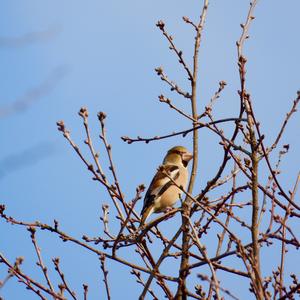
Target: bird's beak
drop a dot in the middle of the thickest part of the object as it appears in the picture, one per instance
(187, 156)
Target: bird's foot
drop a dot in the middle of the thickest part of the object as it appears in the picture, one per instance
(167, 210)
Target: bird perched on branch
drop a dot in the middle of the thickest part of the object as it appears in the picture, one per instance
(162, 192)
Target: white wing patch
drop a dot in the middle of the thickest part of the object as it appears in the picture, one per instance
(173, 174)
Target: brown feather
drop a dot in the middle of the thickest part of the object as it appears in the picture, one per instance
(162, 192)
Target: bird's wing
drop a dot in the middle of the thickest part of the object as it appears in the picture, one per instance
(160, 184)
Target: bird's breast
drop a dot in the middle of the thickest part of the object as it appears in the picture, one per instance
(172, 194)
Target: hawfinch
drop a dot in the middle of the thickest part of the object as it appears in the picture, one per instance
(162, 192)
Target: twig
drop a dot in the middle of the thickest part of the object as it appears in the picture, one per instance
(29, 282)
(105, 273)
(140, 280)
(215, 97)
(174, 87)
(285, 122)
(85, 291)
(186, 206)
(283, 249)
(66, 237)
(163, 99)
(32, 231)
(66, 133)
(129, 140)
(221, 237)
(62, 276)
(160, 260)
(139, 190)
(206, 258)
(161, 25)
(101, 117)
(203, 277)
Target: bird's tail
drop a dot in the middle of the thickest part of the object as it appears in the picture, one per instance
(145, 214)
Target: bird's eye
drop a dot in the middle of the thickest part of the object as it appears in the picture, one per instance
(178, 152)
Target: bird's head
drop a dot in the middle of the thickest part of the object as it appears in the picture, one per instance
(178, 155)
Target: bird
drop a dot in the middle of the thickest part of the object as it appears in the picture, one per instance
(162, 192)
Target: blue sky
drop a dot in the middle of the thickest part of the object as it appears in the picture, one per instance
(102, 55)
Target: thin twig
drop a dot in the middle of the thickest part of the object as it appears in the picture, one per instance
(41, 264)
(62, 276)
(129, 140)
(105, 273)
